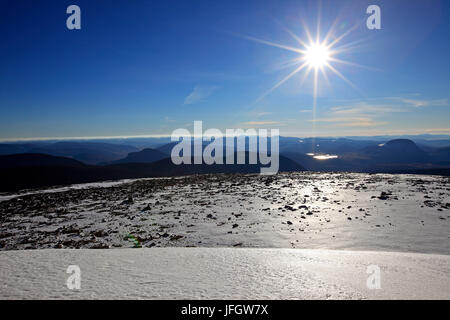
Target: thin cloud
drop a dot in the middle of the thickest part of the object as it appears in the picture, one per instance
(168, 119)
(356, 115)
(350, 121)
(420, 103)
(262, 114)
(200, 93)
(362, 123)
(410, 100)
(261, 123)
(364, 108)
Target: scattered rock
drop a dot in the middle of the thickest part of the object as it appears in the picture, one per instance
(384, 195)
(129, 201)
(99, 233)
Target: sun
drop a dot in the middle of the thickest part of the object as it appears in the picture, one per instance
(317, 55)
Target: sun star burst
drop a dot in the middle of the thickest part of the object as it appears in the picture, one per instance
(316, 56)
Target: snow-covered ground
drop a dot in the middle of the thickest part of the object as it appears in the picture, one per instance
(289, 236)
(8, 196)
(222, 273)
(403, 213)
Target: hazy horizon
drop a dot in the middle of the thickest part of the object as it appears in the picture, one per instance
(87, 139)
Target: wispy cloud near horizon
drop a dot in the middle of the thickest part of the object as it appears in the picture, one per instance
(261, 123)
(420, 103)
(350, 122)
(360, 114)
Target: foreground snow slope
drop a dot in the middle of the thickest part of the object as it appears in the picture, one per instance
(351, 211)
(222, 273)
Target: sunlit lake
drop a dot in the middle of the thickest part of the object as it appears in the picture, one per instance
(323, 156)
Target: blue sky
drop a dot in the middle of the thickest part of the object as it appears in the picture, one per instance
(149, 67)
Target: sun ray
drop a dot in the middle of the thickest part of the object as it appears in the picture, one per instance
(308, 34)
(325, 76)
(273, 44)
(343, 78)
(353, 64)
(330, 31)
(342, 36)
(318, 24)
(351, 46)
(279, 83)
(293, 35)
(288, 64)
(314, 109)
(305, 75)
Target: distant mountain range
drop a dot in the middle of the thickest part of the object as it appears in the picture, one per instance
(87, 152)
(395, 155)
(396, 151)
(39, 164)
(37, 170)
(144, 156)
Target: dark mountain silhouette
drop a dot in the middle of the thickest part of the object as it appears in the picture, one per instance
(145, 156)
(396, 151)
(26, 170)
(106, 152)
(36, 160)
(168, 168)
(301, 145)
(167, 148)
(323, 145)
(313, 164)
(441, 156)
(33, 172)
(393, 156)
(10, 148)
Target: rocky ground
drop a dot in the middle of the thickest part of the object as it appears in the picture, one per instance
(289, 210)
